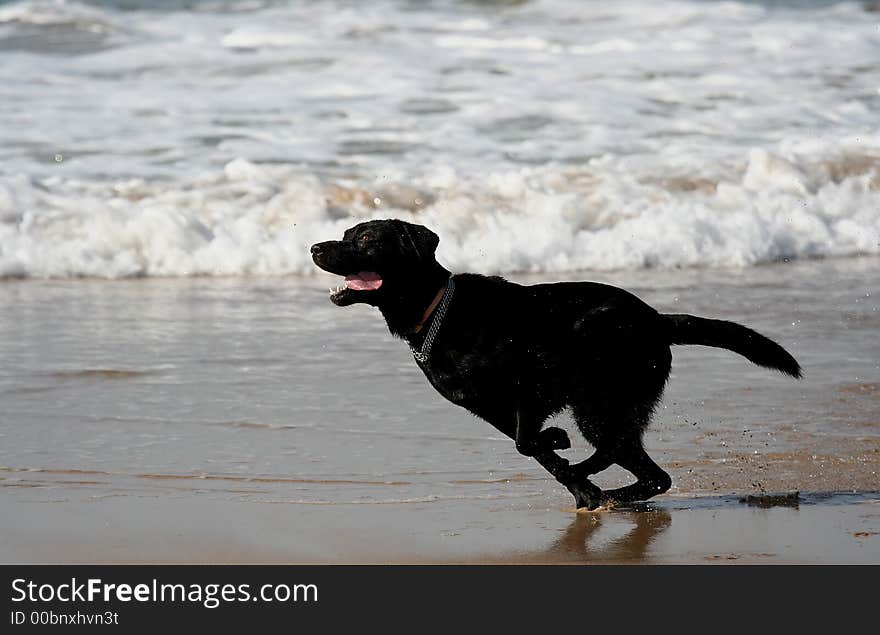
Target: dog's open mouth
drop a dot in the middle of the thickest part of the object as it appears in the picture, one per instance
(363, 281)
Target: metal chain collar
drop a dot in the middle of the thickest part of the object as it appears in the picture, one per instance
(424, 351)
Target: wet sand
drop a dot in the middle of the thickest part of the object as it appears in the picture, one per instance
(248, 420)
(155, 522)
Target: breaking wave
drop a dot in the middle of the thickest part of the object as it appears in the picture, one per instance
(261, 219)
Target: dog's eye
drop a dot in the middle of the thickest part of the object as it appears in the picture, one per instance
(366, 238)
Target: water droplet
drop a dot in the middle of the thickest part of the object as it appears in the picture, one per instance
(59, 158)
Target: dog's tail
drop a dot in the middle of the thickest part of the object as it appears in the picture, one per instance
(689, 329)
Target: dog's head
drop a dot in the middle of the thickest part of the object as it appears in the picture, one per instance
(379, 259)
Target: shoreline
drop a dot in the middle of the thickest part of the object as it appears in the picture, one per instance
(815, 528)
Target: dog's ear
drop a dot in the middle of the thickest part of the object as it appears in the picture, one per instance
(419, 238)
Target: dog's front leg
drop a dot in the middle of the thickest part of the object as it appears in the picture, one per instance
(531, 440)
(528, 443)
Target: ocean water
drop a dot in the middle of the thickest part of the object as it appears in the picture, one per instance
(183, 138)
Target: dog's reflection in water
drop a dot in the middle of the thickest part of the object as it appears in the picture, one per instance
(581, 541)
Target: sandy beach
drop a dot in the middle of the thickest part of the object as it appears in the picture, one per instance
(172, 526)
(222, 420)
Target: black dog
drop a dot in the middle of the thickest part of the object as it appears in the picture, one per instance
(515, 355)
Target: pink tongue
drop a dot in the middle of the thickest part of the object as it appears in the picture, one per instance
(363, 281)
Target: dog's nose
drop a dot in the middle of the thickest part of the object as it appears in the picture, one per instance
(316, 250)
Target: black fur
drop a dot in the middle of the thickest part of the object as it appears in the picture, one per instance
(514, 355)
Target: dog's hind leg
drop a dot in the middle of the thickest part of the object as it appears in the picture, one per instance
(614, 415)
(599, 461)
(651, 478)
(586, 493)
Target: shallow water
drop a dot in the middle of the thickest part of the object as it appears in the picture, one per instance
(259, 392)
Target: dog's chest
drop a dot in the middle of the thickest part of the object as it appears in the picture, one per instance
(464, 375)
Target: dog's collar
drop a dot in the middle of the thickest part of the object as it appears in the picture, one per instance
(441, 302)
(430, 310)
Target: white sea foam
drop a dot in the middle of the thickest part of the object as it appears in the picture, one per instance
(255, 219)
(547, 136)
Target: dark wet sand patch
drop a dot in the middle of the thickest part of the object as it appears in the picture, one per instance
(783, 499)
(868, 389)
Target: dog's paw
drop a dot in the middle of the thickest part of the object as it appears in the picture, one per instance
(554, 438)
(587, 495)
